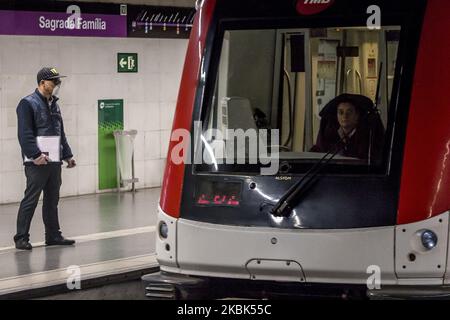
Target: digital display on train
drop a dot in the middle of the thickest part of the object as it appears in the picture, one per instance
(215, 193)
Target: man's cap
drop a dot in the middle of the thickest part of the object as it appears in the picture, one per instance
(48, 74)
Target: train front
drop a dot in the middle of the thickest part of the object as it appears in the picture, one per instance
(286, 167)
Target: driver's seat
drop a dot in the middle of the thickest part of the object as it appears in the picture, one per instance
(370, 132)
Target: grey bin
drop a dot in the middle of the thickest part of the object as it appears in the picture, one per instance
(125, 159)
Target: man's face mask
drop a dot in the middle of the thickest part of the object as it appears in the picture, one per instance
(57, 88)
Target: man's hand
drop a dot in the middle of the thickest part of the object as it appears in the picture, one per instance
(42, 160)
(71, 163)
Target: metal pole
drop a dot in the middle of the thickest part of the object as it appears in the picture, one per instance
(118, 178)
(132, 173)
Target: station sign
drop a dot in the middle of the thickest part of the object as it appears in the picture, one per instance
(78, 24)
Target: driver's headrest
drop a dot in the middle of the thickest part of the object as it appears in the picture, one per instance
(363, 104)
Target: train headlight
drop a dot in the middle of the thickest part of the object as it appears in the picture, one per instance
(429, 239)
(163, 230)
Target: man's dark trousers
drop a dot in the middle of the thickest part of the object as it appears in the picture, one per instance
(46, 178)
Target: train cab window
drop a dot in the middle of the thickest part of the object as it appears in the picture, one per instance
(324, 90)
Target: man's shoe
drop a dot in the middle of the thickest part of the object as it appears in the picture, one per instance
(60, 241)
(23, 245)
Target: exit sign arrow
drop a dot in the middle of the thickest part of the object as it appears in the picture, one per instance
(123, 63)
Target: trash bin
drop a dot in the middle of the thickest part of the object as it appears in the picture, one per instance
(125, 159)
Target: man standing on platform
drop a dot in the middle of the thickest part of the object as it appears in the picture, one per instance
(44, 147)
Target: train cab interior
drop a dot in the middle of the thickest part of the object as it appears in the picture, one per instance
(294, 80)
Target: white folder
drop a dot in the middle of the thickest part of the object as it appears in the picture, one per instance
(50, 146)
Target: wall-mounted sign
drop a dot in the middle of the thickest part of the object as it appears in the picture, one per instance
(123, 10)
(127, 62)
(62, 24)
(160, 22)
(110, 119)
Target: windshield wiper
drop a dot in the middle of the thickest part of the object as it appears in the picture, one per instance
(291, 198)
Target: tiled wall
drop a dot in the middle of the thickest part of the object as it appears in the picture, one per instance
(91, 66)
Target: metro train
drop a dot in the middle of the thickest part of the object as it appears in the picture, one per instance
(368, 224)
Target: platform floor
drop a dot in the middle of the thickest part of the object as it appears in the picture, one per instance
(113, 232)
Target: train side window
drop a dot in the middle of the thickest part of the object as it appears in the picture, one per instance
(316, 86)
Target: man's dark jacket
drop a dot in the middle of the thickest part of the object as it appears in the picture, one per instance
(37, 118)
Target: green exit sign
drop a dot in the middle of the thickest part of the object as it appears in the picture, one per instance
(127, 62)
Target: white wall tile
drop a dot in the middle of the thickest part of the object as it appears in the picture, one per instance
(66, 55)
(88, 120)
(167, 60)
(2, 91)
(165, 140)
(12, 186)
(96, 179)
(8, 123)
(167, 111)
(92, 56)
(1, 60)
(151, 60)
(172, 60)
(92, 88)
(152, 117)
(153, 173)
(12, 156)
(136, 88)
(119, 86)
(87, 153)
(170, 85)
(139, 167)
(135, 116)
(152, 86)
(139, 146)
(19, 50)
(152, 145)
(3, 158)
(181, 49)
(87, 179)
(69, 182)
(70, 118)
(16, 87)
(69, 93)
(49, 48)
(11, 118)
(163, 163)
(132, 45)
(73, 143)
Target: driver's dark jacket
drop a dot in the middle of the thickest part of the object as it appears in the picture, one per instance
(36, 117)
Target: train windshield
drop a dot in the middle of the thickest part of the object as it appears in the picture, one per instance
(304, 92)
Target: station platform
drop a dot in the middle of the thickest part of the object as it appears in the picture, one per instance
(115, 234)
